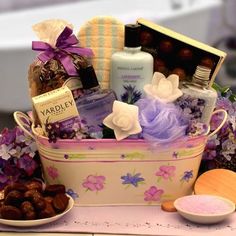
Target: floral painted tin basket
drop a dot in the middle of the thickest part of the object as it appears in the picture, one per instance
(127, 172)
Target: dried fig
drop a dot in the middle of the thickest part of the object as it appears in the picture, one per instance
(11, 213)
(47, 212)
(14, 198)
(15, 186)
(30, 194)
(39, 203)
(26, 206)
(60, 202)
(30, 215)
(53, 189)
(35, 185)
(48, 199)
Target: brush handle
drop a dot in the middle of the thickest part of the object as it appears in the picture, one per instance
(25, 122)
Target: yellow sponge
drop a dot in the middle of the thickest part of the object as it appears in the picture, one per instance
(104, 35)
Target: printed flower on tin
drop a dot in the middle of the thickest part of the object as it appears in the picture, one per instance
(52, 172)
(153, 194)
(130, 179)
(166, 172)
(73, 194)
(188, 174)
(175, 155)
(94, 182)
(122, 156)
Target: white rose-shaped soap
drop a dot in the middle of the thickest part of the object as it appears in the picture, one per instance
(123, 120)
(163, 89)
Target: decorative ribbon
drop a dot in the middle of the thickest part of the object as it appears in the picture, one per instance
(66, 43)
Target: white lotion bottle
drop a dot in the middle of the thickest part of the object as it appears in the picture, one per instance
(131, 68)
(199, 88)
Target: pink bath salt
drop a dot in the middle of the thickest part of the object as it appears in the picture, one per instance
(202, 204)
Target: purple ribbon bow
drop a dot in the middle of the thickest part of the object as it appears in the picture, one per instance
(66, 43)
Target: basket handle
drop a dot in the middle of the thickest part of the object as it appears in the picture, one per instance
(25, 122)
(222, 122)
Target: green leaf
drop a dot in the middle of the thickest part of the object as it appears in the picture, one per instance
(225, 91)
(217, 87)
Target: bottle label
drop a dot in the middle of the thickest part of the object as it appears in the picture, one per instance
(192, 106)
(130, 71)
(198, 104)
(129, 74)
(129, 83)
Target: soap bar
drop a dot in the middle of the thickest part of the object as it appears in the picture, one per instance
(56, 106)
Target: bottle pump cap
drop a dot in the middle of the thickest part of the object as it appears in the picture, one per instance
(88, 77)
(202, 75)
(132, 35)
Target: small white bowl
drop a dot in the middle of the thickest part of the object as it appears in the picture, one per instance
(32, 223)
(204, 209)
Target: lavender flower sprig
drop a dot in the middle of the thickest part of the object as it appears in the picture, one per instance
(131, 95)
(55, 131)
(191, 107)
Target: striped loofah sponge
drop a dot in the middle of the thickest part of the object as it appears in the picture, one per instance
(104, 35)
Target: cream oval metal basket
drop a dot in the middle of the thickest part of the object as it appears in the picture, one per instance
(127, 172)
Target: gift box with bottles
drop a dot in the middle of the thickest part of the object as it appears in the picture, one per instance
(175, 53)
(132, 144)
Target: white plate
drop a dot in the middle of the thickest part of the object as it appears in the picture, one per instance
(204, 209)
(31, 223)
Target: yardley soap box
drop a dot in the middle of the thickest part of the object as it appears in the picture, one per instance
(56, 106)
